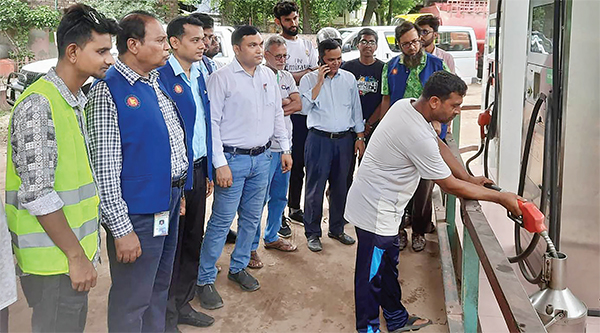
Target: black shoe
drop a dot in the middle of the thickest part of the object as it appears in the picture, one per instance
(209, 297)
(314, 244)
(285, 231)
(403, 239)
(231, 237)
(244, 280)
(343, 238)
(196, 318)
(418, 242)
(296, 216)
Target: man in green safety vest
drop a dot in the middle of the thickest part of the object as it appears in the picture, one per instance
(51, 197)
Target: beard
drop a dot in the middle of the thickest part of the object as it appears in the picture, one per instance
(426, 43)
(211, 52)
(289, 32)
(412, 61)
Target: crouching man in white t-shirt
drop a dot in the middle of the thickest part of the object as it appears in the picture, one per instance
(404, 149)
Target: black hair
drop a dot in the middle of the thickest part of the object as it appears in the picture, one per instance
(77, 24)
(176, 26)
(405, 27)
(133, 25)
(207, 21)
(328, 44)
(430, 20)
(441, 84)
(284, 8)
(368, 32)
(240, 32)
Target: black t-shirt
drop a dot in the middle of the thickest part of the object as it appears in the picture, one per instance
(369, 83)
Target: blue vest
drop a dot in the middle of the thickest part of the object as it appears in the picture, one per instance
(146, 151)
(398, 75)
(181, 93)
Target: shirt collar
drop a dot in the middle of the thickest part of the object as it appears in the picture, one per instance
(237, 67)
(131, 76)
(71, 99)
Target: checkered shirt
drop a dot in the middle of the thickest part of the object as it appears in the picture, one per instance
(105, 146)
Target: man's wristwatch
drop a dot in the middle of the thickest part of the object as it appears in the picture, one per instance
(287, 152)
(358, 138)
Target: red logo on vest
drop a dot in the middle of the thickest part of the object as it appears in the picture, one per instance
(178, 89)
(394, 71)
(132, 101)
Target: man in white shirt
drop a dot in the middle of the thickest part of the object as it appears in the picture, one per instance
(429, 25)
(302, 60)
(275, 56)
(404, 149)
(245, 106)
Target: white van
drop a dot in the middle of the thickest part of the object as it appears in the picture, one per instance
(458, 41)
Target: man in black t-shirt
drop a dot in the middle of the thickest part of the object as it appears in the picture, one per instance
(367, 71)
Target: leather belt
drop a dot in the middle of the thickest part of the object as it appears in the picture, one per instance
(198, 163)
(180, 181)
(252, 151)
(331, 135)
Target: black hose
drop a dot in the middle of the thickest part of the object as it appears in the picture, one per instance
(481, 147)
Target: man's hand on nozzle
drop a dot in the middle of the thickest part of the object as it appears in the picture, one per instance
(510, 201)
(480, 180)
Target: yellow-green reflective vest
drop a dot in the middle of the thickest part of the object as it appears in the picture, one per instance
(36, 253)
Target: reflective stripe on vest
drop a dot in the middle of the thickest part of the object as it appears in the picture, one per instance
(35, 251)
(41, 239)
(68, 197)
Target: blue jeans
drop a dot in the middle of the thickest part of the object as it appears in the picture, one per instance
(137, 301)
(246, 196)
(276, 200)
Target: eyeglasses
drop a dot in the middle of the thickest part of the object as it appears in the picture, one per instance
(280, 57)
(425, 32)
(212, 39)
(414, 42)
(367, 42)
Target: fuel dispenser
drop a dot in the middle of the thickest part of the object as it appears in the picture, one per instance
(546, 145)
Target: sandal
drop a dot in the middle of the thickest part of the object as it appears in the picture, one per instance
(410, 324)
(255, 262)
(281, 245)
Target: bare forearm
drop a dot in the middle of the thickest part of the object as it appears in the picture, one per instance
(464, 189)
(56, 226)
(294, 106)
(375, 116)
(455, 166)
(384, 106)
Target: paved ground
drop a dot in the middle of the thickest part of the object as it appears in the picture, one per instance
(301, 291)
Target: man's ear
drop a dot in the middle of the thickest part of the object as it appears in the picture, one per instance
(237, 49)
(278, 22)
(434, 102)
(133, 45)
(174, 42)
(71, 52)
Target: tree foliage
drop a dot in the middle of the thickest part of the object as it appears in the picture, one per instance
(381, 8)
(260, 12)
(116, 9)
(17, 19)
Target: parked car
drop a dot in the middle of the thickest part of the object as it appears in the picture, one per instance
(458, 41)
(18, 81)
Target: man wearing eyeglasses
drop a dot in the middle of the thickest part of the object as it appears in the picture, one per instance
(429, 25)
(404, 77)
(276, 199)
(51, 197)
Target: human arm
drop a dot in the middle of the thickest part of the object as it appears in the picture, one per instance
(280, 132)
(385, 91)
(106, 159)
(357, 117)
(217, 95)
(295, 105)
(323, 71)
(456, 167)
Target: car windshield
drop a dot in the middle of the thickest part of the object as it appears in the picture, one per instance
(455, 41)
(390, 38)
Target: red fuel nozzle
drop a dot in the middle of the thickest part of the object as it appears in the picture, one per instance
(483, 120)
(533, 219)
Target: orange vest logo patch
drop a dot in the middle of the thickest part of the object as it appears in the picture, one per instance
(177, 88)
(132, 101)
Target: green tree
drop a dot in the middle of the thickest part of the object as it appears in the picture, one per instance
(17, 19)
(116, 9)
(381, 9)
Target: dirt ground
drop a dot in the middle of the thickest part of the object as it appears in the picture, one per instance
(300, 291)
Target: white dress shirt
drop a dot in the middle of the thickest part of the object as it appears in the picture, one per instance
(337, 107)
(245, 109)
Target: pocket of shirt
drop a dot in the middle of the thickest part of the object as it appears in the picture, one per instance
(270, 95)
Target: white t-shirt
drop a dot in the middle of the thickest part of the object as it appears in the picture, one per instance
(287, 85)
(302, 55)
(403, 149)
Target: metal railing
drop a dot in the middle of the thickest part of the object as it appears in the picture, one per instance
(460, 265)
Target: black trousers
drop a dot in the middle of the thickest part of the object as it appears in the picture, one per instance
(419, 206)
(299, 133)
(57, 307)
(187, 255)
(4, 320)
